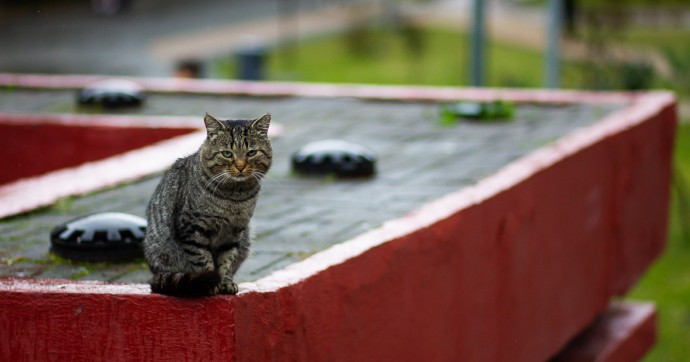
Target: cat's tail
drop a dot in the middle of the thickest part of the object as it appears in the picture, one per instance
(185, 284)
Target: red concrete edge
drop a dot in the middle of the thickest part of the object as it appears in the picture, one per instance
(623, 332)
(289, 89)
(34, 192)
(497, 271)
(447, 279)
(113, 120)
(652, 105)
(107, 120)
(38, 191)
(46, 320)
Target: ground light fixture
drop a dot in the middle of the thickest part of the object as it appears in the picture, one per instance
(494, 111)
(107, 236)
(112, 94)
(334, 157)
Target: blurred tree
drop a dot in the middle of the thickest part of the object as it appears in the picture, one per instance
(570, 14)
(603, 25)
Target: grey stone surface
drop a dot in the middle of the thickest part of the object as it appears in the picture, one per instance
(419, 161)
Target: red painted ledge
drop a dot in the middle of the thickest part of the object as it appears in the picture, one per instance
(623, 332)
(105, 150)
(497, 271)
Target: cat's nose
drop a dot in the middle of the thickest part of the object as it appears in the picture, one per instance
(240, 165)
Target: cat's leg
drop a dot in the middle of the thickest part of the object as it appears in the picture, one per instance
(242, 254)
(198, 258)
(194, 239)
(194, 235)
(228, 261)
(182, 270)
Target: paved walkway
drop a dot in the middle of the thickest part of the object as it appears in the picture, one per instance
(69, 38)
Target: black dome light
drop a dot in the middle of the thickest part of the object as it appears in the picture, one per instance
(100, 237)
(340, 158)
(111, 94)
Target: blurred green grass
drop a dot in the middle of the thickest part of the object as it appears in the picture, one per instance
(388, 59)
(674, 45)
(439, 57)
(667, 282)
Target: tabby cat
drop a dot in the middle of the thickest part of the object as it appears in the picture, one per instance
(198, 216)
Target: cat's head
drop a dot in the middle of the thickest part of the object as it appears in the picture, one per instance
(238, 148)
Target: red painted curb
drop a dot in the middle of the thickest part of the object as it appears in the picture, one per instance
(622, 333)
(107, 150)
(501, 271)
(43, 320)
(509, 269)
(32, 149)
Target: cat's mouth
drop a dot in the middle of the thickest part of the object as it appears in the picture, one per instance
(239, 176)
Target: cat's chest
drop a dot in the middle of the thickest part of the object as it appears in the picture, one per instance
(225, 230)
(213, 227)
(220, 215)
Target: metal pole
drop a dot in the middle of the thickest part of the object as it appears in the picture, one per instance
(477, 40)
(553, 46)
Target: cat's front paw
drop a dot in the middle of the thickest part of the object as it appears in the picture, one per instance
(228, 287)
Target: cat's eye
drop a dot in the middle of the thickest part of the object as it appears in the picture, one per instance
(227, 154)
(251, 153)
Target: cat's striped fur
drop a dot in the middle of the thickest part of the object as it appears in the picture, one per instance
(198, 217)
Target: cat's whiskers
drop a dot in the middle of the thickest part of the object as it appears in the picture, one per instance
(213, 179)
(224, 177)
(217, 179)
(267, 179)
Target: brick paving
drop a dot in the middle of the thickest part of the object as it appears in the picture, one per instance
(419, 160)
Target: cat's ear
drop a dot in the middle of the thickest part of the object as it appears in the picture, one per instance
(261, 124)
(213, 126)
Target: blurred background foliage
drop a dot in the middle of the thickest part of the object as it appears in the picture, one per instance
(618, 45)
